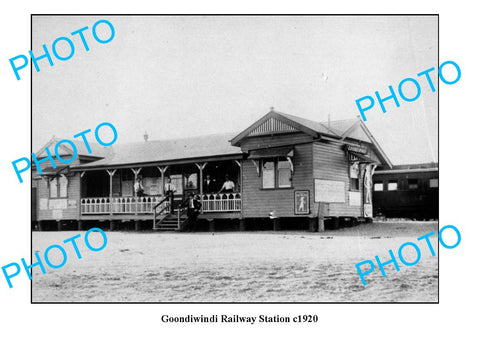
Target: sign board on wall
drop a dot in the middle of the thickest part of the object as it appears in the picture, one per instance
(152, 185)
(329, 191)
(367, 211)
(43, 204)
(72, 203)
(57, 204)
(302, 204)
(354, 198)
(356, 148)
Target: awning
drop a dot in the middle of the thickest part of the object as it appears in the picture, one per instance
(51, 172)
(353, 156)
(271, 153)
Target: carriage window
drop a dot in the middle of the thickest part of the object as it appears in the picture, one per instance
(284, 174)
(413, 184)
(268, 174)
(392, 185)
(433, 183)
(378, 186)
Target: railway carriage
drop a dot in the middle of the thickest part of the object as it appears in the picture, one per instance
(406, 191)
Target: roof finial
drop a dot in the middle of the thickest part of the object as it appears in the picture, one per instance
(271, 108)
(145, 136)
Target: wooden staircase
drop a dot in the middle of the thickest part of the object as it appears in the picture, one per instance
(166, 221)
(171, 223)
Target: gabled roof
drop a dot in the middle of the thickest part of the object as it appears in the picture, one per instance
(285, 123)
(338, 129)
(212, 146)
(167, 150)
(316, 126)
(64, 149)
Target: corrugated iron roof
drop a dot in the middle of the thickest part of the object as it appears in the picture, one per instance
(65, 149)
(332, 128)
(313, 125)
(166, 150)
(202, 146)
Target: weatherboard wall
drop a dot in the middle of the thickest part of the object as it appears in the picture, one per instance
(259, 202)
(58, 208)
(331, 163)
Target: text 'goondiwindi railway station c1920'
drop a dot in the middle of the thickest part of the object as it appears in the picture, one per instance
(284, 172)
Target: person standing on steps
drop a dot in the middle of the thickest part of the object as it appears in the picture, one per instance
(193, 206)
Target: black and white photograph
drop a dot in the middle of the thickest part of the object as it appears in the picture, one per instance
(235, 158)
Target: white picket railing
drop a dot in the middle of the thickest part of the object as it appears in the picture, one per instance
(224, 202)
(119, 205)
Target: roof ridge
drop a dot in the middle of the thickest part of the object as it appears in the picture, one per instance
(346, 119)
(179, 139)
(305, 120)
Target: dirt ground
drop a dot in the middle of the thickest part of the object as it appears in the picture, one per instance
(240, 267)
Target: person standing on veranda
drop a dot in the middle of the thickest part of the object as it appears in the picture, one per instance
(138, 187)
(228, 186)
(209, 185)
(170, 189)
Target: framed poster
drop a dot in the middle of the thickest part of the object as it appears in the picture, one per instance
(302, 202)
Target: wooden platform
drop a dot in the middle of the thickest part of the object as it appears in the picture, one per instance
(147, 217)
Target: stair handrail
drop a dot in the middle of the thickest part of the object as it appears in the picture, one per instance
(160, 202)
(156, 214)
(180, 212)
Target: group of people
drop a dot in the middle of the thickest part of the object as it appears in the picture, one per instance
(193, 202)
(209, 186)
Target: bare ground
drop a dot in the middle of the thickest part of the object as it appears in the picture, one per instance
(240, 267)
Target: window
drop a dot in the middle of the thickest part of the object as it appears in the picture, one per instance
(354, 176)
(191, 181)
(177, 182)
(413, 184)
(378, 186)
(268, 174)
(58, 187)
(276, 173)
(433, 183)
(392, 185)
(53, 188)
(284, 174)
(353, 183)
(63, 184)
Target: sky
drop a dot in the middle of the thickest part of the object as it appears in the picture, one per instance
(184, 76)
